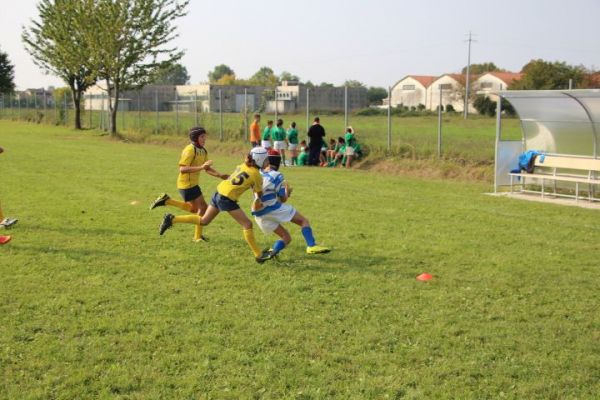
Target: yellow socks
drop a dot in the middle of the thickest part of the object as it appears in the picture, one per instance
(179, 204)
(249, 238)
(198, 233)
(187, 219)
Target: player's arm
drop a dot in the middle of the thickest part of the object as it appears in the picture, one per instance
(213, 172)
(186, 169)
(285, 191)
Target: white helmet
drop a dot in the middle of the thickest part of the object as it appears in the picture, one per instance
(259, 155)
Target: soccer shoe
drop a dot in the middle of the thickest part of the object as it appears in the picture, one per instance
(266, 255)
(4, 239)
(8, 222)
(166, 223)
(202, 239)
(316, 249)
(160, 201)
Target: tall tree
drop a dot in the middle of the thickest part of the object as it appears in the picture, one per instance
(7, 74)
(288, 76)
(352, 83)
(375, 95)
(219, 71)
(482, 68)
(540, 74)
(264, 77)
(59, 45)
(176, 74)
(131, 39)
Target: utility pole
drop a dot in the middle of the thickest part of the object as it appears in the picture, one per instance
(467, 87)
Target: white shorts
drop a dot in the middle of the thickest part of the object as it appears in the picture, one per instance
(292, 146)
(279, 145)
(266, 144)
(350, 151)
(269, 222)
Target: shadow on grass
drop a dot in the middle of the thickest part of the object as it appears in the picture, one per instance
(77, 254)
(81, 231)
(337, 262)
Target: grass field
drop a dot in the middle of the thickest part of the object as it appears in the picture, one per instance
(412, 137)
(95, 304)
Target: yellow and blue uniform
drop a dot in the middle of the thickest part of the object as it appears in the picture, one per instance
(242, 179)
(191, 156)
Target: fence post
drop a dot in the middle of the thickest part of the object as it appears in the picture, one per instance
(389, 118)
(345, 107)
(196, 108)
(139, 109)
(307, 108)
(220, 115)
(156, 109)
(276, 110)
(439, 144)
(19, 107)
(245, 114)
(65, 103)
(176, 112)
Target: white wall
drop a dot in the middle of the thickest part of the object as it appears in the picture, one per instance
(402, 93)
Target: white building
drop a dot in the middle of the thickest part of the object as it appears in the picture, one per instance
(493, 82)
(411, 91)
(452, 87)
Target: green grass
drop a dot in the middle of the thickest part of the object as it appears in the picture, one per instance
(412, 137)
(94, 304)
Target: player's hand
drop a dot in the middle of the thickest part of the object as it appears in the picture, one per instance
(207, 164)
(224, 176)
(257, 205)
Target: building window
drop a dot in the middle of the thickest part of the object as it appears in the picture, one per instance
(486, 85)
(408, 87)
(445, 86)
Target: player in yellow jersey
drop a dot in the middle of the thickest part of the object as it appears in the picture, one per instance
(194, 159)
(246, 176)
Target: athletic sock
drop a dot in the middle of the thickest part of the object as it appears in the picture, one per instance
(198, 232)
(187, 219)
(278, 246)
(1, 215)
(179, 204)
(294, 160)
(249, 238)
(308, 236)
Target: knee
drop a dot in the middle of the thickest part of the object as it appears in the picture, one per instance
(247, 225)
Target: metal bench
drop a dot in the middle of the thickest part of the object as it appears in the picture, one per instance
(556, 168)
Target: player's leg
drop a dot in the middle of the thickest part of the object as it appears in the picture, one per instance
(166, 200)
(307, 233)
(169, 219)
(202, 207)
(283, 242)
(240, 217)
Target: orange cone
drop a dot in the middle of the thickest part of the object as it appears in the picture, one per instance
(424, 277)
(4, 239)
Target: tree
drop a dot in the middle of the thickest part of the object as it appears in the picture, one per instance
(7, 74)
(287, 76)
(478, 69)
(130, 43)
(326, 85)
(219, 72)
(264, 77)
(540, 74)
(59, 45)
(226, 80)
(351, 83)
(177, 74)
(375, 95)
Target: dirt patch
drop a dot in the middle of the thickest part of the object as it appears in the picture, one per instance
(461, 170)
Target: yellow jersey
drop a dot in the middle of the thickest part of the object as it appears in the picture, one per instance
(191, 156)
(242, 179)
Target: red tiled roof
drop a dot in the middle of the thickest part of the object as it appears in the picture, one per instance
(424, 80)
(507, 77)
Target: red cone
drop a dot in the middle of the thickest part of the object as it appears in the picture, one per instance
(424, 277)
(4, 239)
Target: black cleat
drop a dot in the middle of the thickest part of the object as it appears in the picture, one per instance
(266, 255)
(160, 201)
(166, 223)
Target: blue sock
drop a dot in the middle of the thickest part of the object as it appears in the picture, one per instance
(308, 236)
(278, 246)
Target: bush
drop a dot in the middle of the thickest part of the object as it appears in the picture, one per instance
(450, 108)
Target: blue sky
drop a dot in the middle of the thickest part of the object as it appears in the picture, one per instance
(376, 42)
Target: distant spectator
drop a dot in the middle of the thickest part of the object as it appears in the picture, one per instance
(316, 133)
(351, 147)
(255, 131)
(292, 138)
(340, 149)
(266, 135)
(331, 150)
(278, 136)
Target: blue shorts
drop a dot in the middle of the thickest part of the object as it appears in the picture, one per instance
(190, 194)
(224, 203)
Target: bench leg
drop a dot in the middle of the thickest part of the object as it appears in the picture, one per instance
(576, 191)
(543, 187)
(511, 183)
